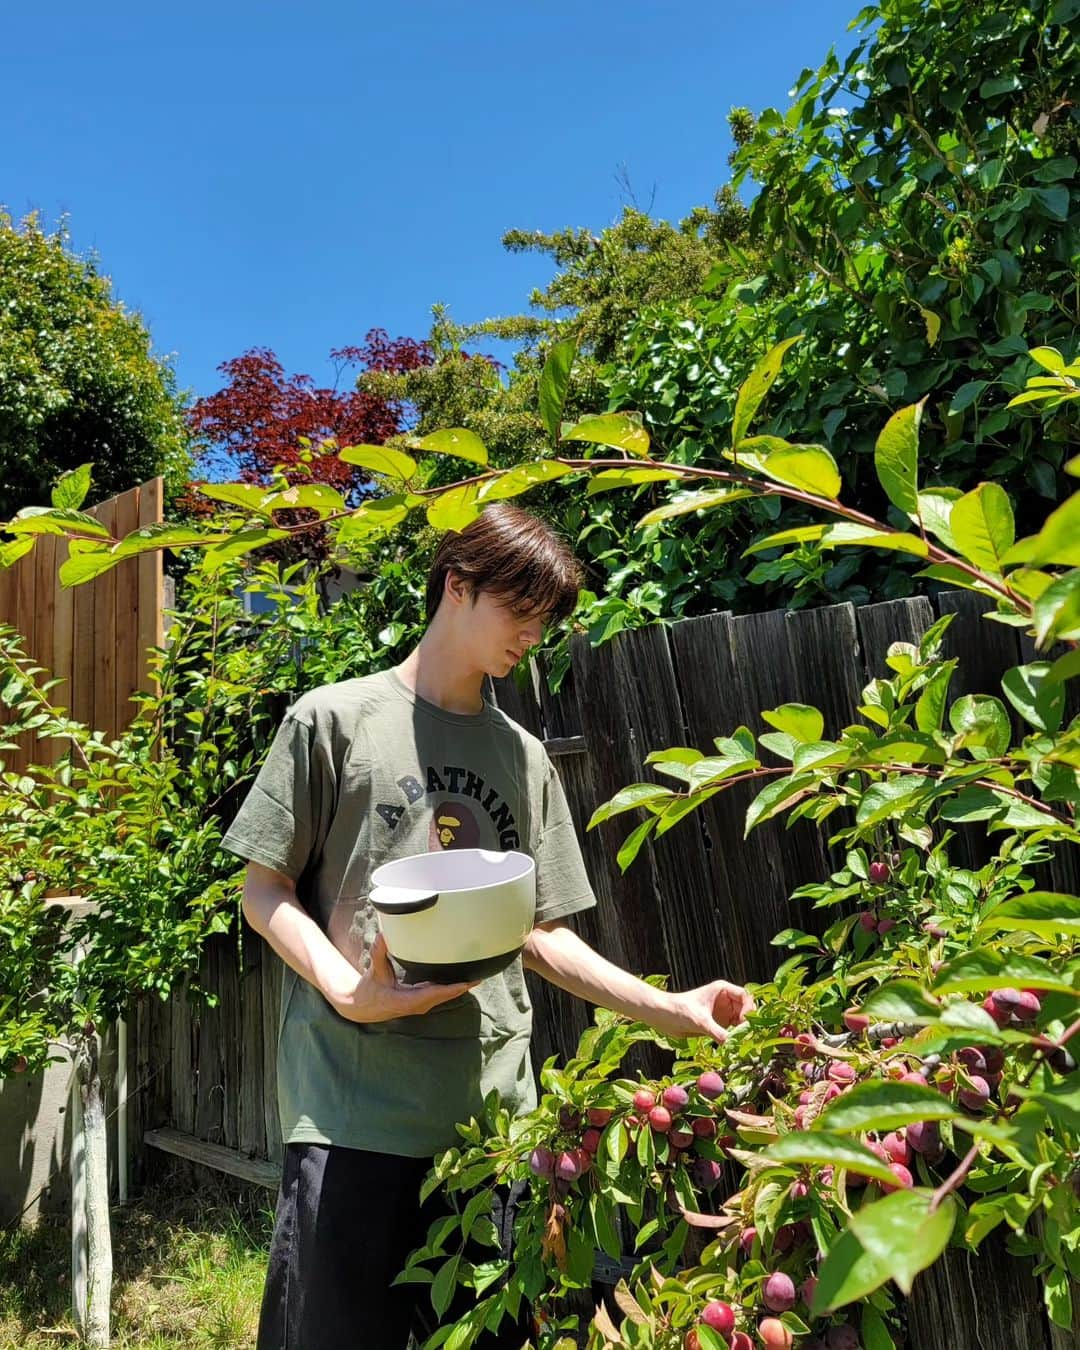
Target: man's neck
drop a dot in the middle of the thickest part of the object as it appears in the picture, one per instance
(434, 672)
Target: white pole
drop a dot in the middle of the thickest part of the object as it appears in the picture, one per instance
(121, 1113)
(78, 1206)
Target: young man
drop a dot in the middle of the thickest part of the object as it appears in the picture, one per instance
(373, 1074)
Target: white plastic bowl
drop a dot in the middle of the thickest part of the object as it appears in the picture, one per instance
(455, 914)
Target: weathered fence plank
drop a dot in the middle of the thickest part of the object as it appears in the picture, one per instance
(251, 1080)
(890, 621)
(988, 1300)
(272, 970)
(183, 1064)
(616, 761)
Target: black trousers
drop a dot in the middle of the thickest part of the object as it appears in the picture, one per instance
(346, 1221)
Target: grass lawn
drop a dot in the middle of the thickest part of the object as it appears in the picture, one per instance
(188, 1271)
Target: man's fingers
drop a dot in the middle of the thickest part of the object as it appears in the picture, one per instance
(380, 959)
(429, 995)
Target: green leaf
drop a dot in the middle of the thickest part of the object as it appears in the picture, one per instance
(882, 801)
(696, 501)
(776, 797)
(900, 1001)
(1055, 201)
(935, 509)
(554, 382)
(479, 1204)
(455, 508)
(456, 441)
(902, 1232)
(92, 560)
(933, 700)
(311, 496)
(822, 1149)
(1056, 613)
(982, 969)
(1047, 913)
(1058, 542)
(379, 459)
(14, 549)
(374, 517)
(847, 532)
(82, 567)
(608, 479)
(1039, 701)
(848, 1273)
(632, 845)
(71, 488)
(971, 804)
(810, 468)
(715, 768)
(896, 458)
(637, 794)
(801, 534)
(755, 387)
(874, 1333)
(800, 721)
(1057, 1295)
(521, 478)
(884, 1104)
(966, 395)
(1066, 667)
(1060, 1101)
(247, 496)
(621, 430)
(1049, 358)
(55, 520)
(982, 525)
(983, 723)
(604, 1223)
(215, 557)
(442, 1287)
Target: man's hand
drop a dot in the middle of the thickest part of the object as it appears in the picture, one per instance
(706, 1011)
(376, 996)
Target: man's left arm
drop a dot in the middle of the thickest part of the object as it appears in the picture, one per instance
(556, 953)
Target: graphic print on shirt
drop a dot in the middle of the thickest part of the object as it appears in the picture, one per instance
(454, 826)
(454, 820)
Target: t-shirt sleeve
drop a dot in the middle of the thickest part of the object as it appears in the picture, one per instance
(562, 885)
(283, 821)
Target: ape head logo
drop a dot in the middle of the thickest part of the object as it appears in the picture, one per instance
(453, 826)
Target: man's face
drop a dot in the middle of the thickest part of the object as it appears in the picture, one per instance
(498, 633)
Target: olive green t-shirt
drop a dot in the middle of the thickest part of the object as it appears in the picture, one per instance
(362, 772)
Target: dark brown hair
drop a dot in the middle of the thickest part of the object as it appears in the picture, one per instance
(513, 555)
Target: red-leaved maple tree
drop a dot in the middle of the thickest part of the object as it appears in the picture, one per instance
(261, 417)
(264, 420)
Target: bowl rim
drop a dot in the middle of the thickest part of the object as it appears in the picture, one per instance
(528, 871)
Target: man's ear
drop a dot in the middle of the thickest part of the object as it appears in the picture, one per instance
(456, 589)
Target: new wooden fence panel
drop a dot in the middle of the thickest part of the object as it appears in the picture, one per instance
(93, 637)
(105, 629)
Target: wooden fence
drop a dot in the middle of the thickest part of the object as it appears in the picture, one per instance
(699, 903)
(95, 636)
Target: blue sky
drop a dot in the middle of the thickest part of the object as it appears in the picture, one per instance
(269, 174)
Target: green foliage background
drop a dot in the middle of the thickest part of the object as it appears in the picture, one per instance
(913, 213)
(79, 380)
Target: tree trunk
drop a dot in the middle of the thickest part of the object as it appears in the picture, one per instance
(94, 1221)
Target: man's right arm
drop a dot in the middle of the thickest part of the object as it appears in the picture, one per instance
(374, 995)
